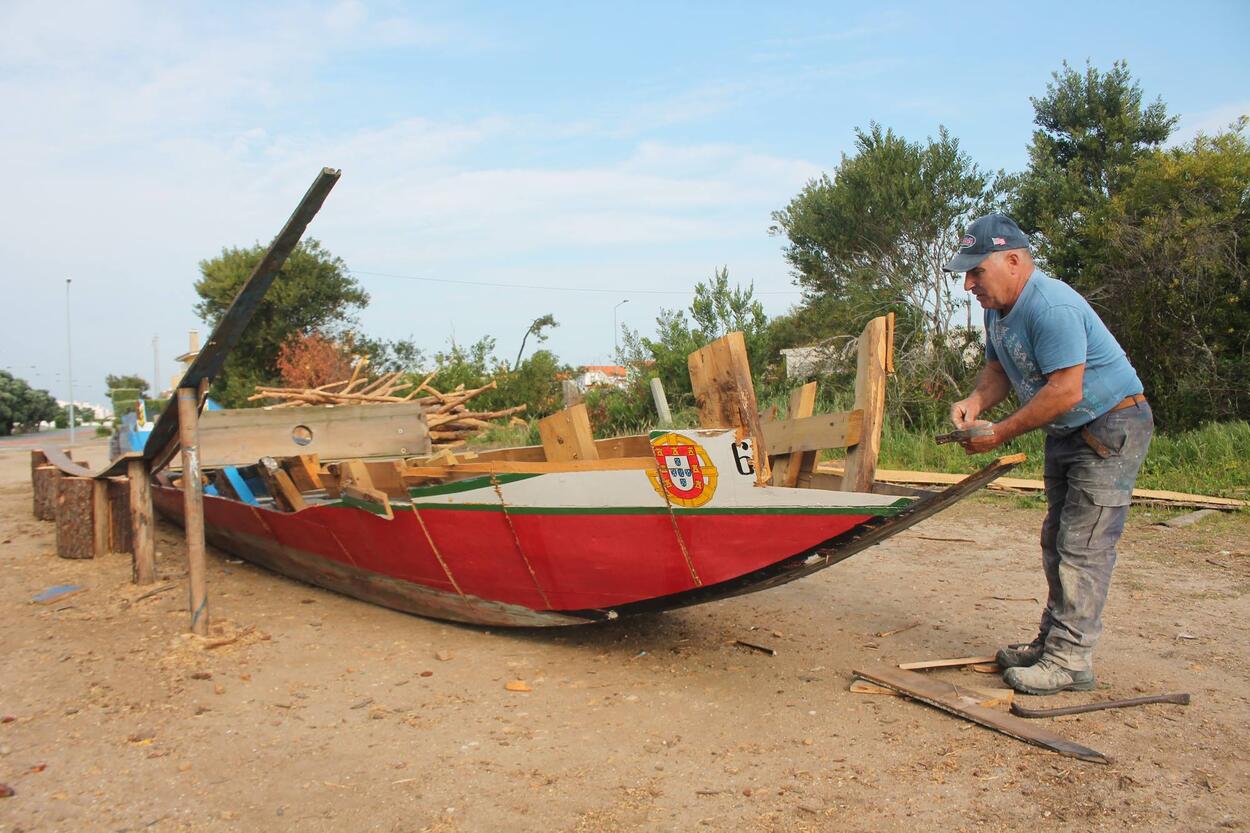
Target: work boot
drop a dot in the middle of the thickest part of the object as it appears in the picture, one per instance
(1048, 677)
(1020, 655)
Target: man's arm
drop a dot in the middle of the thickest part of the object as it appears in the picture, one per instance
(1063, 389)
(992, 388)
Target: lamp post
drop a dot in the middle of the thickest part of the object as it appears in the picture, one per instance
(69, 354)
(616, 346)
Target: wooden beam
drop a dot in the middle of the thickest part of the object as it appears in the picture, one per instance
(193, 507)
(305, 471)
(870, 376)
(375, 500)
(814, 433)
(74, 527)
(786, 468)
(566, 435)
(523, 467)
(944, 663)
(281, 489)
(100, 518)
(142, 529)
(355, 473)
(720, 376)
(948, 697)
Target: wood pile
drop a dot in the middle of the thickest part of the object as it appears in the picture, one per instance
(451, 421)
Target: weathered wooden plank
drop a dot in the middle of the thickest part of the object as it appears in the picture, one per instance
(566, 435)
(74, 525)
(870, 378)
(786, 469)
(142, 528)
(193, 507)
(121, 538)
(720, 375)
(814, 433)
(946, 696)
(512, 467)
(954, 662)
(241, 437)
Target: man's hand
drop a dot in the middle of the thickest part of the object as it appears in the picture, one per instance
(983, 443)
(964, 412)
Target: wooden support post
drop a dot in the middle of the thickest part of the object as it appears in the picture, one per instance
(142, 529)
(193, 507)
(120, 537)
(786, 470)
(44, 487)
(720, 375)
(870, 373)
(74, 526)
(661, 403)
(566, 435)
(572, 393)
(99, 517)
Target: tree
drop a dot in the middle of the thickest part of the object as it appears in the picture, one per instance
(21, 406)
(310, 360)
(1092, 130)
(126, 382)
(535, 329)
(313, 292)
(1176, 276)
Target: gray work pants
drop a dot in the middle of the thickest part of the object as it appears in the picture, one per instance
(1089, 482)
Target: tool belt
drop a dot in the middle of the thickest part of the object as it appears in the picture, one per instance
(1093, 442)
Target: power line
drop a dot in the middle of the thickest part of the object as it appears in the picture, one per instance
(595, 289)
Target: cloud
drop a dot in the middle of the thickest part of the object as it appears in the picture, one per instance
(1214, 120)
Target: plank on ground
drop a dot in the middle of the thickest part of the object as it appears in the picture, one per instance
(944, 663)
(946, 696)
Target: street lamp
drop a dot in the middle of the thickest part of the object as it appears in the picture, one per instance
(69, 354)
(616, 347)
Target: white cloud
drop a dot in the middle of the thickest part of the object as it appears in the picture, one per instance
(1214, 120)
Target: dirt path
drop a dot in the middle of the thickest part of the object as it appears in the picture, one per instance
(330, 714)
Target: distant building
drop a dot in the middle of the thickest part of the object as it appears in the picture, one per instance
(598, 375)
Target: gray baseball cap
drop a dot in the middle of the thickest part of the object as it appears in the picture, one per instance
(985, 235)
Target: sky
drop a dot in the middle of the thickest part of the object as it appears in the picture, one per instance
(500, 161)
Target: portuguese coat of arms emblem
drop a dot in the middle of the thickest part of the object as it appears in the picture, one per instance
(684, 473)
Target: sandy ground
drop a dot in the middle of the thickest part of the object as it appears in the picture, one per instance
(330, 714)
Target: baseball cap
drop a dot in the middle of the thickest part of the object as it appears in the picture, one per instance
(985, 235)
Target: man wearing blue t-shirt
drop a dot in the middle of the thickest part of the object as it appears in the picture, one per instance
(1075, 383)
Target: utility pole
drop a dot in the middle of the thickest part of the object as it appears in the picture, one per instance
(69, 353)
(616, 346)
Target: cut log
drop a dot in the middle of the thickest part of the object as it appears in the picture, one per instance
(74, 522)
(44, 487)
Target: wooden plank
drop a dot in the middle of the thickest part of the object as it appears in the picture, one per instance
(387, 477)
(74, 528)
(813, 433)
(44, 489)
(786, 469)
(121, 538)
(720, 375)
(946, 696)
(566, 435)
(374, 500)
(193, 508)
(142, 528)
(281, 489)
(305, 472)
(241, 437)
(944, 663)
(932, 478)
(100, 518)
(509, 467)
(355, 473)
(870, 377)
(983, 696)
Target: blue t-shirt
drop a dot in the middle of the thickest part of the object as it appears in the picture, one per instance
(1051, 327)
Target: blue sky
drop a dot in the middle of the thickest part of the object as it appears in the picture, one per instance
(630, 150)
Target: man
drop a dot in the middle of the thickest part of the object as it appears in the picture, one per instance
(1074, 382)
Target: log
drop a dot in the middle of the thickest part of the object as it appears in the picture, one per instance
(121, 537)
(74, 527)
(44, 488)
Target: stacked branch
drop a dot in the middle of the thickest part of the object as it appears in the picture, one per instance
(451, 421)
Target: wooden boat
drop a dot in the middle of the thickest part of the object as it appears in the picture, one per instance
(684, 525)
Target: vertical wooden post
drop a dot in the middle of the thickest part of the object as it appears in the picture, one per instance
(724, 394)
(193, 506)
(661, 403)
(870, 373)
(100, 517)
(120, 538)
(142, 532)
(786, 469)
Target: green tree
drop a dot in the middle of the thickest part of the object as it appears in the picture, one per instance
(1093, 127)
(1176, 276)
(22, 406)
(872, 238)
(536, 330)
(313, 292)
(128, 382)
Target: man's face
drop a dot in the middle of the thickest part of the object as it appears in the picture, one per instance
(996, 281)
